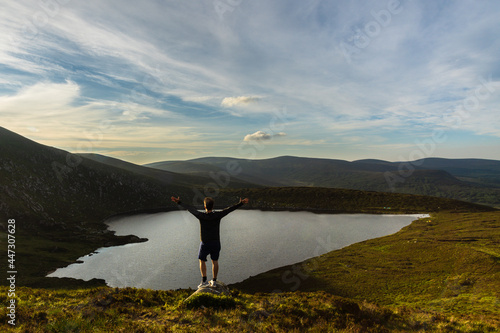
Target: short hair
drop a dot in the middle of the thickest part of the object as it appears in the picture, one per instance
(209, 203)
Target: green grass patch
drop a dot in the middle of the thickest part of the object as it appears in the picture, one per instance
(139, 310)
(446, 264)
(207, 300)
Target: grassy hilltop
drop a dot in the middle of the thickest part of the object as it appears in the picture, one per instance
(42, 250)
(440, 274)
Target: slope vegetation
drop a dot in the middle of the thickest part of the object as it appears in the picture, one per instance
(448, 263)
(472, 180)
(59, 201)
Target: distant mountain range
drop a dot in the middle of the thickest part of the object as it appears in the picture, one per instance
(32, 176)
(60, 200)
(91, 186)
(473, 180)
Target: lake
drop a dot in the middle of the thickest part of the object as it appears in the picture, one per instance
(253, 242)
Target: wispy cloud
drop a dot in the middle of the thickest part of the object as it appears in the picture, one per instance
(170, 64)
(240, 100)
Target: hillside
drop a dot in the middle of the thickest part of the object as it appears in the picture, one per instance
(472, 180)
(440, 274)
(181, 177)
(59, 201)
(447, 263)
(34, 177)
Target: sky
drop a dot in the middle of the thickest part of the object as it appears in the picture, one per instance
(174, 80)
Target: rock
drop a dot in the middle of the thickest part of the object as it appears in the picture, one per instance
(217, 297)
(219, 289)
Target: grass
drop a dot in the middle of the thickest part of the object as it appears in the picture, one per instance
(42, 249)
(448, 264)
(106, 309)
(439, 274)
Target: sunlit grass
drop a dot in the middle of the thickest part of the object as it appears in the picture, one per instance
(138, 310)
(439, 274)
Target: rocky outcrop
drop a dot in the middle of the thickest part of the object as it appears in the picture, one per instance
(217, 297)
(219, 289)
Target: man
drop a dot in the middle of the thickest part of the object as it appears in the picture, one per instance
(210, 235)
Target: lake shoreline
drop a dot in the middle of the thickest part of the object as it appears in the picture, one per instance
(365, 230)
(373, 211)
(115, 240)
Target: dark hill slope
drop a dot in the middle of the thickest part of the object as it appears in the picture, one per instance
(486, 172)
(59, 201)
(470, 180)
(180, 175)
(332, 200)
(43, 186)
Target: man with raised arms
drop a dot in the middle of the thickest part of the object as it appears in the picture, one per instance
(210, 234)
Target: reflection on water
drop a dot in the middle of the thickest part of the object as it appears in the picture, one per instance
(252, 242)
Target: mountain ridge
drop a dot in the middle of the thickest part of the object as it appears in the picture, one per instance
(60, 200)
(474, 180)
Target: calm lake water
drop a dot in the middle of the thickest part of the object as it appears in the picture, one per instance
(252, 242)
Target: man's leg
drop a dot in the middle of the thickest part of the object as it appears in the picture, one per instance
(203, 268)
(215, 268)
(214, 255)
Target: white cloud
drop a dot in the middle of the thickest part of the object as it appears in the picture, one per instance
(198, 99)
(261, 135)
(240, 100)
(52, 113)
(44, 98)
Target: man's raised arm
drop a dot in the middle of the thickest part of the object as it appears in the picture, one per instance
(234, 207)
(191, 209)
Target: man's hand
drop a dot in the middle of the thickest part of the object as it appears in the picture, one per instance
(245, 201)
(176, 200)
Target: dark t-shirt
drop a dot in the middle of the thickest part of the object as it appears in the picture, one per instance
(210, 222)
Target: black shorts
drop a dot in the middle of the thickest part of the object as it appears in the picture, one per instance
(209, 247)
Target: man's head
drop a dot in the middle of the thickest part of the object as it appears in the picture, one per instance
(209, 203)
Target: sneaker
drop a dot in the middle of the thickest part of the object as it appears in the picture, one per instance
(203, 284)
(213, 283)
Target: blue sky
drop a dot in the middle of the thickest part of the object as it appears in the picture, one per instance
(167, 80)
